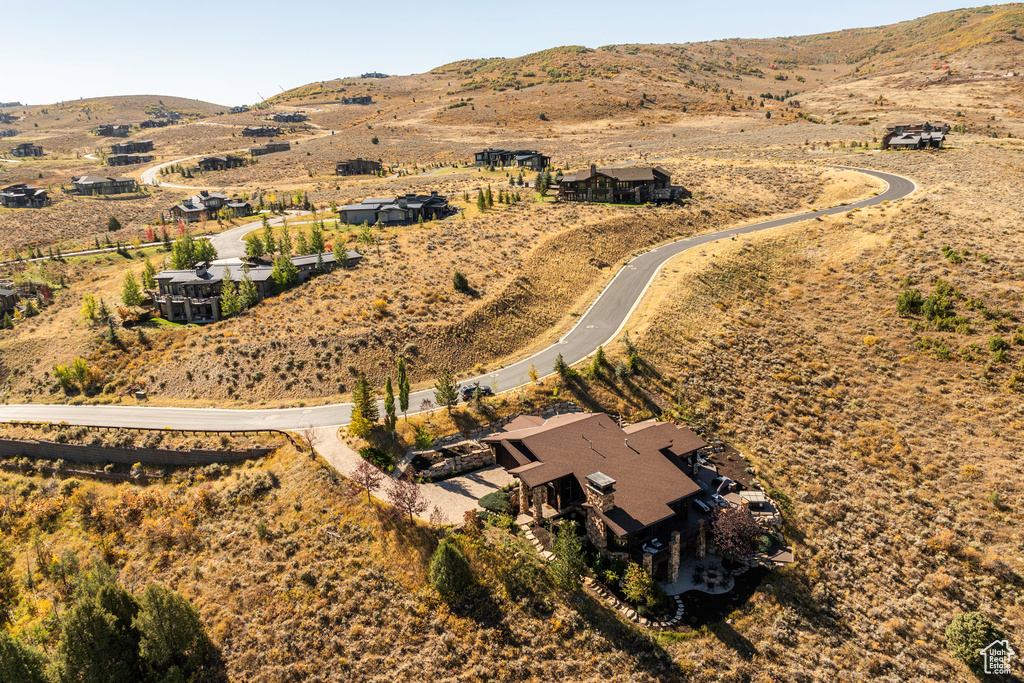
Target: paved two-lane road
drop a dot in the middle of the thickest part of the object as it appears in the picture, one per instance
(601, 323)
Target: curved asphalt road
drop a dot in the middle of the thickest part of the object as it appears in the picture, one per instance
(600, 324)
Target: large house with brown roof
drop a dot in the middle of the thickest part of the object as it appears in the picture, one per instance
(208, 205)
(94, 185)
(631, 185)
(358, 166)
(632, 484)
(22, 196)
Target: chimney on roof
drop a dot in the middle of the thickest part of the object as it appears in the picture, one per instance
(600, 491)
(593, 168)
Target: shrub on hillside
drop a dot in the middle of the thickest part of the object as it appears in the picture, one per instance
(378, 457)
(967, 634)
(449, 570)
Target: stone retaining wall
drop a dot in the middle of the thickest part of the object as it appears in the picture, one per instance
(478, 457)
(48, 450)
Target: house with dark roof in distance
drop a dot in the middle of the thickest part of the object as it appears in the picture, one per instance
(193, 295)
(358, 99)
(915, 135)
(132, 147)
(8, 118)
(519, 158)
(8, 132)
(270, 148)
(23, 197)
(410, 208)
(630, 185)
(27, 149)
(288, 117)
(261, 131)
(220, 163)
(373, 74)
(8, 301)
(128, 159)
(208, 205)
(112, 130)
(88, 185)
(358, 166)
(172, 116)
(633, 484)
(241, 109)
(153, 123)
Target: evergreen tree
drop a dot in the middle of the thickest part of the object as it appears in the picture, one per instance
(285, 274)
(560, 367)
(319, 262)
(269, 245)
(8, 324)
(449, 570)
(568, 566)
(481, 201)
(248, 295)
(230, 303)
(302, 243)
(20, 662)
(284, 243)
(149, 275)
(131, 295)
(489, 197)
(390, 419)
(113, 225)
(316, 239)
(598, 363)
(363, 399)
(446, 390)
(253, 246)
(173, 644)
(459, 282)
(403, 388)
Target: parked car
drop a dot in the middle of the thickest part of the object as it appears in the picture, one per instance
(467, 392)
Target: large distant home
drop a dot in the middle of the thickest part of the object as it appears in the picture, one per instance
(194, 295)
(357, 167)
(241, 109)
(172, 116)
(270, 148)
(8, 301)
(153, 123)
(915, 135)
(220, 163)
(27, 149)
(132, 147)
(8, 118)
(208, 205)
(97, 185)
(630, 185)
(396, 210)
(288, 117)
(112, 130)
(128, 159)
(520, 158)
(633, 485)
(261, 131)
(374, 74)
(358, 99)
(8, 132)
(22, 197)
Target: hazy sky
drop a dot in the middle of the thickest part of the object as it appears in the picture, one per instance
(231, 52)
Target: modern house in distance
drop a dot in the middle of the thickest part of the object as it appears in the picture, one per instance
(357, 167)
(114, 130)
(23, 197)
(261, 131)
(915, 135)
(128, 159)
(288, 117)
(396, 210)
(208, 205)
(521, 158)
(220, 163)
(27, 149)
(95, 185)
(630, 185)
(132, 147)
(270, 148)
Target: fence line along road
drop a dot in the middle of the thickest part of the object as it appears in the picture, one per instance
(601, 323)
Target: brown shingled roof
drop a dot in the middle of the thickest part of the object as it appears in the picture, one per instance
(644, 461)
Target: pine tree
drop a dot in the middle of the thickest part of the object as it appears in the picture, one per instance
(446, 390)
(284, 273)
(230, 303)
(560, 367)
(481, 201)
(459, 282)
(149, 275)
(131, 296)
(568, 566)
(284, 243)
(253, 246)
(316, 238)
(8, 324)
(269, 245)
(490, 198)
(363, 400)
(390, 418)
(599, 361)
(248, 295)
(113, 225)
(403, 388)
(302, 243)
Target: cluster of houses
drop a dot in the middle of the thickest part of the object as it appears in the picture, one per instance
(405, 210)
(915, 136)
(358, 166)
(194, 295)
(8, 118)
(644, 490)
(27, 149)
(520, 158)
(8, 132)
(207, 206)
(92, 185)
(23, 197)
(270, 148)
(113, 130)
(241, 109)
(288, 117)
(220, 163)
(629, 185)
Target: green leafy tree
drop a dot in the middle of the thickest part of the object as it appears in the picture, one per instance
(8, 323)
(568, 566)
(364, 400)
(967, 634)
(173, 643)
(254, 246)
(284, 273)
(403, 388)
(230, 302)
(446, 390)
(131, 295)
(390, 418)
(20, 662)
(638, 586)
(449, 570)
(149, 275)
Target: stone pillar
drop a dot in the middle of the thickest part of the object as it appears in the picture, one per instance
(649, 564)
(539, 498)
(702, 540)
(188, 310)
(673, 558)
(524, 498)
